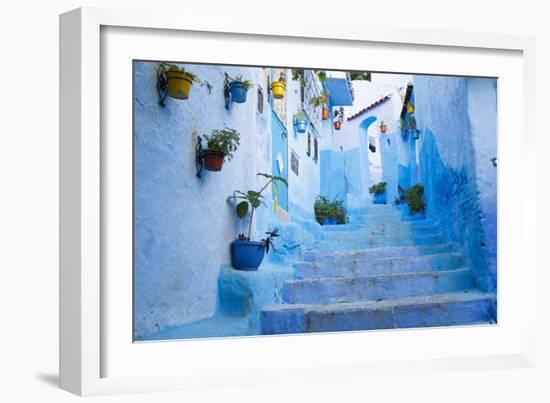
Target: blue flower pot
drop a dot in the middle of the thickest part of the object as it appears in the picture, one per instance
(379, 198)
(247, 255)
(301, 125)
(238, 92)
(416, 134)
(330, 221)
(407, 216)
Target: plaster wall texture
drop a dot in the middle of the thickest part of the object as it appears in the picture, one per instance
(306, 186)
(454, 116)
(176, 285)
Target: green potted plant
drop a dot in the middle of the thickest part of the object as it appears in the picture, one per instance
(321, 101)
(179, 81)
(379, 193)
(238, 88)
(414, 204)
(245, 253)
(330, 212)
(220, 145)
(300, 121)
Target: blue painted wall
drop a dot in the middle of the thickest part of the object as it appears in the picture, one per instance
(177, 214)
(457, 118)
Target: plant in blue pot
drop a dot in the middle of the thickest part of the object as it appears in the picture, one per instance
(300, 121)
(412, 202)
(378, 192)
(245, 253)
(238, 88)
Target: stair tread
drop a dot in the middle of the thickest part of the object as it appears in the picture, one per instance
(389, 258)
(359, 251)
(452, 297)
(378, 276)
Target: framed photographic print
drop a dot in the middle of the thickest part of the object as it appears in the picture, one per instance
(267, 199)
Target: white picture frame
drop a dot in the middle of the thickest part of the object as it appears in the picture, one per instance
(85, 343)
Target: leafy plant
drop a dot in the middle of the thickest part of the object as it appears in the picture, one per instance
(324, 208)
(252, 199)
(282, 77)
(322, 76)
(380, 187)
(360, 75)
(299, 75)
(194, 78)
(268, 241)
(320, 100)
(247, 84)
(300, 115)
(226, 141)
(415, 198)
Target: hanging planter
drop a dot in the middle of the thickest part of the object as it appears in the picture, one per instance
(300, 122)
(383, 127)
(278, 88)
(175, 82)
(410, 107)
(213, 160)
(325, 113)
(321, 101)
(179, 83)
(238, 88)
(219, 145)
(339, 118)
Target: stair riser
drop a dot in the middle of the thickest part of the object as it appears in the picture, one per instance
(420, 315)
(348, 257)
(376, 241)
(355, 225)
(366, 267)
(328, 290)
(385, 231)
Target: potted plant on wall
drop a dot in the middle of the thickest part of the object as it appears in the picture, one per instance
(278, 88)
(330, 212)
(220, 145)
(247, 254)
(179, 81)
(238, 88)
(338, 118)
(378, 192)
(300, 121)
(321, 101)
(383, 127)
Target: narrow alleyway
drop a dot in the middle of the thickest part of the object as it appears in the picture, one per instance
(379, 272)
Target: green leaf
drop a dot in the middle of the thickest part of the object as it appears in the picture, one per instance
(242, 209)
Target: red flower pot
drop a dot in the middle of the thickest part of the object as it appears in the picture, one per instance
(325, 114)
(337, 125)
(213, 160)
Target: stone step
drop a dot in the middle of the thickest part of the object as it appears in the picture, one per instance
(420, 224)
(347, 289)
(374, 241)
(387, 265)
(381, 230)
(450, 309)
(347, 257)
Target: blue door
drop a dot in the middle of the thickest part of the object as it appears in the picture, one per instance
(279, 167)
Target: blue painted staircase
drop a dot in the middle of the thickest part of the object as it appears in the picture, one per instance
(378, 272)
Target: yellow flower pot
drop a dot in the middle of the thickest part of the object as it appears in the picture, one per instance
(179, 84)
(410, 108)
(278, 89)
